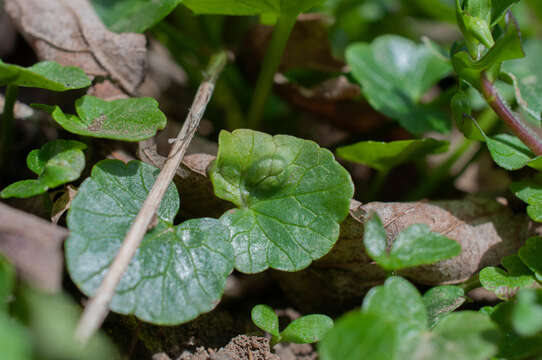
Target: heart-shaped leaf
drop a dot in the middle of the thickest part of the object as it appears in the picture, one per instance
(394, 73)
(47, 75)
(307, 329)
(384, 156)
(414, 246)
(291, 195)
(134, 119)
(250, 7)
(531, 253)
(399, 301)
(442, 300)
(133, 15)
(530, 191)
(505, 284)
(57, 162)
(360, 336)
(265, 318)
(177, 273)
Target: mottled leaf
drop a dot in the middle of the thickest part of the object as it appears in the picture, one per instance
(503, 283)
(441, 301)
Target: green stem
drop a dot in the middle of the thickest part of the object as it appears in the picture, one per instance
(7, 123)
(273, 58)
(377, 184)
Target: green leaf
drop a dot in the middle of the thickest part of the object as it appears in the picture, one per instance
(360, 336)
(15, 342)
(177, 273)
(291, 195)
(509, 152)
(499, 9)
(400, 302)
(58, 162)
(527, 77)
(250, 7)
(461, 104)
(7, 283)
(394, 73)
(530, 191)
(132, 119)
(47, 75)
(531, 253)
(461, 335)
(307, 329)
(505, 284)
(133, 15)
(384, 156)
(527, 312)
(442, 300)
(414, 246)
(265, 318)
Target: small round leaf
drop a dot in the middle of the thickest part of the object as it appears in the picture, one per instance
(266, 318)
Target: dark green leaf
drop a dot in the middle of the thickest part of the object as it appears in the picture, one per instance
(56, 163)
(177, 273)
(307, 329)
(44, 75)
(384, 156)
(394, 73)
(250, 7)
(399, 302)
(531, 253)
(360, 336)
(133, 119)
(265, 318)
(7, 283)
(461, 110)
(509, 152)
(499, 9)
(527, 312)
(133, 15)
(442, 300)
(291, 195)
(530, 191)
(506, 283)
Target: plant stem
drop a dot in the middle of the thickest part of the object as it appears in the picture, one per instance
(7, 123)
(98, 307)
(273, 58)
(524, 132)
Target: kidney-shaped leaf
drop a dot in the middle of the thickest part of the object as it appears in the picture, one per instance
(47, 75)
(384, 156)
(291, 195)
(394, 73)
(250, 7)
(133, 15)
(132, 119)
(505, 284)
(57, 162)
(177, 273)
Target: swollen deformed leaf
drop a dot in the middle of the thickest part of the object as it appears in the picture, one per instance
(177, 273)
(307, 329)
(384, 156)
(133, 15)
(250, 7)
(291, 196)
(400, 302)
(47, 75)
(265, 318)
(57, 162)
(134, 119)
(414, 246)
(505, 284)
(394, 73)
(442, 300)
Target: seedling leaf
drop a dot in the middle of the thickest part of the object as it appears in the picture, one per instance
(442, 300)
(177, 273)
(394, 73)
(384, 156)
(57, 162)
(47, 75)
(134, 119)
(265, 318)
(307, 329)
(505, 284)
(291, 195)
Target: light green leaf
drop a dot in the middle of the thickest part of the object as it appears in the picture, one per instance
(399, 302)
(56, 163)
(505, 284)
(250, 7)
(527, 312)
(531, 253)
(394, 73)
(47, 75)
(133, 15)
(291, 195)
(132, 119)
(177, 273)
(442, 300)
(265, 318)
(307, 329)
(530, 191)
(461, 110)
(509, 152)
(499, 9)
(414, 246)
(459, 336)
(384, 156)
(360, 336)
(15, 342)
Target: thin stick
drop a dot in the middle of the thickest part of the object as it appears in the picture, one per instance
(98, 307)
